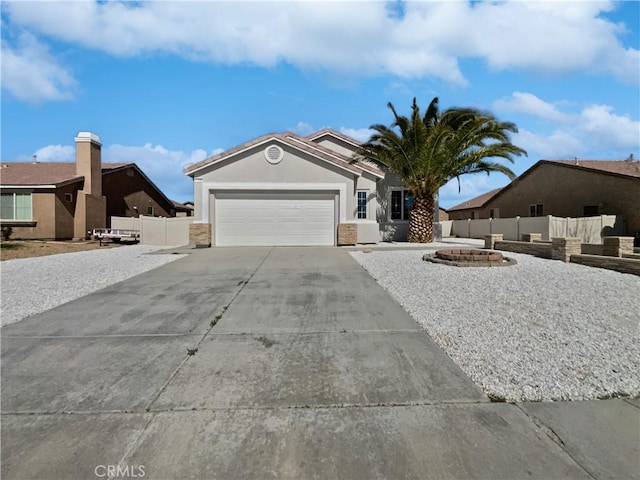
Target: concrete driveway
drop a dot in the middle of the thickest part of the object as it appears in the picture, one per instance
(310, 370)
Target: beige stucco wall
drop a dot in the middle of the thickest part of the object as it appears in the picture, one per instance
(64, 211)
(91, 212)
(564, 192)
(42, 213)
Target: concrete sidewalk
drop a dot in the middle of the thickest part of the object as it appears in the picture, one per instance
(310, 371)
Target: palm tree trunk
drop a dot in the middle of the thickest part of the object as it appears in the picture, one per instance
(421, 220)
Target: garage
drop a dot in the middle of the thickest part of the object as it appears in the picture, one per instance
(274, 218)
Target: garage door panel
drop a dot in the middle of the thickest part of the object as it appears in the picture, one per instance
(274, 218)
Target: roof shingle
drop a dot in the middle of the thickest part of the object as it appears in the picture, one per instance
(43, 173)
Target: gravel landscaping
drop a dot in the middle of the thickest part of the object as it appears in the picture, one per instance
(536, 331)
(33, 285)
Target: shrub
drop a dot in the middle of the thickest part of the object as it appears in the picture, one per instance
(6, 233)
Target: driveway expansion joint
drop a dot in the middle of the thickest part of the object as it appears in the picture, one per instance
(191, 352)
(628, 402)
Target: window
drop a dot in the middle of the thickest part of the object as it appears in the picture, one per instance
(15, 206)
(401, 201)
(473, 215)
(150, 210)
(591, 210)
(362, 203)
(536, 210)
(68, 197)
(494, 213)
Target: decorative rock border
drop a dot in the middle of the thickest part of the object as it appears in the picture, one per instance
(469, 258)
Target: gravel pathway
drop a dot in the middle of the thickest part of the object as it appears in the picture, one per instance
(33, 285)
(536, 331)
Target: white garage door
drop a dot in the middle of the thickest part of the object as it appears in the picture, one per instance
(274, 218)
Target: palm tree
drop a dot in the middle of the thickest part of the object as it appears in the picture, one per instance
(427, 152)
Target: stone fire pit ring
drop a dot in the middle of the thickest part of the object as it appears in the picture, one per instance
(465, 257)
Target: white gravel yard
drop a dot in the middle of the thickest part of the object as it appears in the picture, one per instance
(33, 285)
(538, 330)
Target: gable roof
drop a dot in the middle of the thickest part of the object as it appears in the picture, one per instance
(41, 174)
(294, 141)
(628, 167)
(623, 168)
(329, 132)
(476, 202)
(182, 207)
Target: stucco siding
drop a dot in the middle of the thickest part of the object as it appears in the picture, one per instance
(126, 189)
(564, 192)
(337, 146)
(64, 209)
(370, 184)
(295, 168)
(42, 208)
(395, 230)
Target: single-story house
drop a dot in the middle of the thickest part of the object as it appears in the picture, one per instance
(286, 189)
(62, 200)
(183, 209)
(564, 188)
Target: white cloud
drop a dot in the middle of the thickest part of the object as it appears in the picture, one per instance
(360, 134)
(470, 186)
(558, 144)
(30, 73)
(56, 153)
(163, 166)
(303, 128)
(427, 40)
(606, 129)
(532, 105)
(594, 131)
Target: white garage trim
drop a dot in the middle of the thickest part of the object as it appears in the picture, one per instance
(208, 188)
(279, 218)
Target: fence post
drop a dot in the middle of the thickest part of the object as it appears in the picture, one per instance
(517, 227)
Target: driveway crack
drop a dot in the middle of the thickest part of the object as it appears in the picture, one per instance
(554, 437)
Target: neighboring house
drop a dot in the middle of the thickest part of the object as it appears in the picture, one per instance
(472, 208)
(66, 200)
(285, 189)
(565, 188)
(183, 209)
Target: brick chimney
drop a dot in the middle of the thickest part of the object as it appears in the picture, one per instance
(89, 162)
(91, 206)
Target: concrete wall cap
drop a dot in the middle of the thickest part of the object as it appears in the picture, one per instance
(88, 137)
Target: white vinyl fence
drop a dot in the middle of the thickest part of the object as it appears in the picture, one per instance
(157, 230)
(588, 229)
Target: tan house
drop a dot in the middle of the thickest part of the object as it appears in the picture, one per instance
(67, 200)
(564, 188)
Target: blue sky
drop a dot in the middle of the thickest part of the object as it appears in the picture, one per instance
(169, 83)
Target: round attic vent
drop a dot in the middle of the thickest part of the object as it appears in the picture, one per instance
(273, 154)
